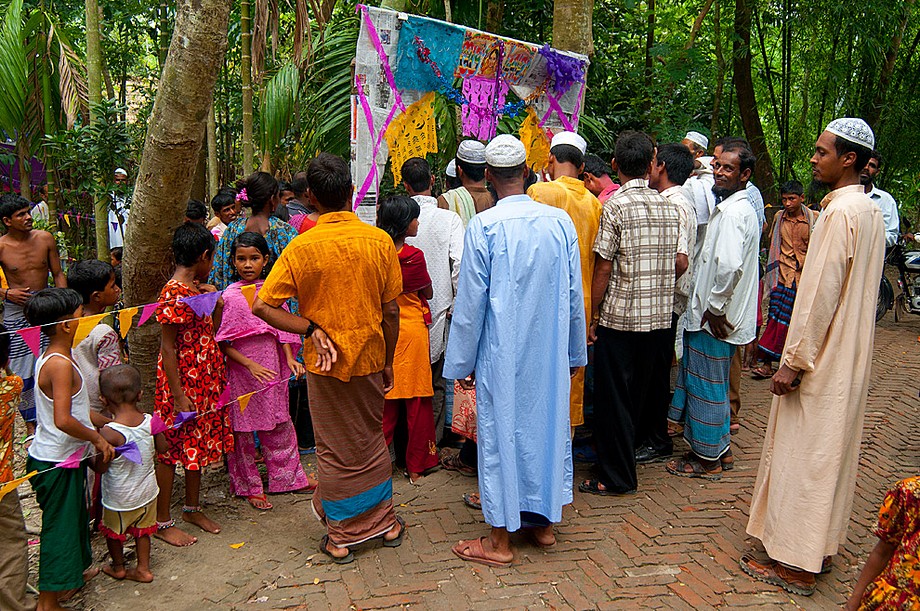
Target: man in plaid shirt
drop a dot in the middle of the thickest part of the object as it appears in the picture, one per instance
(631, 322)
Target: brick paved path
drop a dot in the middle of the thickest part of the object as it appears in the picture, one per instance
(674, 545)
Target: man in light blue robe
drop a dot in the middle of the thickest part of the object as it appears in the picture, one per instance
(518, 330)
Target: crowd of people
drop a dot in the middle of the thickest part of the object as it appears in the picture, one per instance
(523, 295)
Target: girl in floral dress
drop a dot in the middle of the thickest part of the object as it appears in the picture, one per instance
(260, 359)
(190, 378)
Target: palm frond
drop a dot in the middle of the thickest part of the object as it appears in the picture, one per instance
(71, 77)
(13, 71)
(277, 108)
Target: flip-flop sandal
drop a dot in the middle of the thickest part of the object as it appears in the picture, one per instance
(469, 502)
(728, 461)
(452, 462)
(698, 470)
(771, 573)
(259, 497)
(592, 486)
(760, 373)
(477, 554)
(343, 560)
(675, 430)
(402, 533)
(532, 537)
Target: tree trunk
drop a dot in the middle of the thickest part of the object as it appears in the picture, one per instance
(698, 23)
(200, 179)
(572, 26)
(50, 124)
(174, 137)
(720, 72)
(25, 169)
(495, 13)
(246, 76)
(213, 169)
(163, 42)
(94, 81)
(747, 101)
(266, 162)
(874, 112)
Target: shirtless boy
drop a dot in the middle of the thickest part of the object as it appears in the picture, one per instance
(27, 258)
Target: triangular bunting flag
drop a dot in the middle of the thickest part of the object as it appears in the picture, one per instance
(130, 451)
(114, 226)
(244, 400)
(32, 336)
(249, 292)
(157, 425)
(72, 461)
(124, 320)
(224, 398)
(84, 326)
(8, 487)
(182, 418)
(67, 219)
(146, 313)
(202, 304)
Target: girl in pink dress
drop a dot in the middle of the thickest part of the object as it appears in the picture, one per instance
(260, 359)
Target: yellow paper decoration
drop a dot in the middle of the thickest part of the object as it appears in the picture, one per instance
(85, 325)
(125, 318)
(237, 545)
(244, 400)
(412, 134)
(67, 219)
(12, 485)
(535, 141)
(249, 292)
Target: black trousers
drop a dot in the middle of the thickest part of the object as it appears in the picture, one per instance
(631, 372)
(299, 406)
(652, 426)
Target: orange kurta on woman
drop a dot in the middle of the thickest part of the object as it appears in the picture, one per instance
(411, 367)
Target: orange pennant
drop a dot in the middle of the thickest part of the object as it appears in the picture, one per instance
(249, 292)
(84, 326)
(12, 485)
(124, 320)
(244, 400)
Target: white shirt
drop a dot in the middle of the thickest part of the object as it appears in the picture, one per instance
(40, 211)
(116, 226)
(686, 242)
(889, 208)
(126, 485)
(51, 444)
(756, 200)
(727, 274)
(440, 237)
(698, 191)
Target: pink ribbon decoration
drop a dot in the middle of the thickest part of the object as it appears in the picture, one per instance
(147, 312)
(384, 60)
(157, 425)
(73, 461)
(32, 336)
(555, 107)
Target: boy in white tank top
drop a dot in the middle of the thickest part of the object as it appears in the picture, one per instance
(129, 488)
(64, 426)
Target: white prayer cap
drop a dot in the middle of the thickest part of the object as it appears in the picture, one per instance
(570, 138)
(121, 171)
(697, 138)
(451, 168)
(505, 151)
(853, 130)
(472, 151)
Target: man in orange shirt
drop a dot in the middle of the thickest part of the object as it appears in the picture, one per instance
(346, 276)
(568, 191)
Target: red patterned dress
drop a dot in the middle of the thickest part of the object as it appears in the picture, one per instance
(204, 439)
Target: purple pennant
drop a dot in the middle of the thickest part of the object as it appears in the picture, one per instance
(130, 451)
(182, 418)
(202, 304)
(157, 425)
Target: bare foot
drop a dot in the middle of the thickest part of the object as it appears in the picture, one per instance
(87, 575)
(135, 574)
(115, 571)
(414, 478)
(174, 536)
(542, 537)
(201, 521)
(394, 533)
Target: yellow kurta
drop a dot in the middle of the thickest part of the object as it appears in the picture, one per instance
(571, 195)
(804, 491)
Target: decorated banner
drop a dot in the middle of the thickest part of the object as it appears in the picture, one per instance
(412, 134)
(401, 59)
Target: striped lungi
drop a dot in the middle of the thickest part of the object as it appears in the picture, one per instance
(700, 400)
(354, 498)
(782, 298)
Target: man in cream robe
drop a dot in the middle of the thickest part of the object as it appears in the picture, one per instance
(804, 491)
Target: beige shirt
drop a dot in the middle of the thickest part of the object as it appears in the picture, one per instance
(803, 496)
(686, 243)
